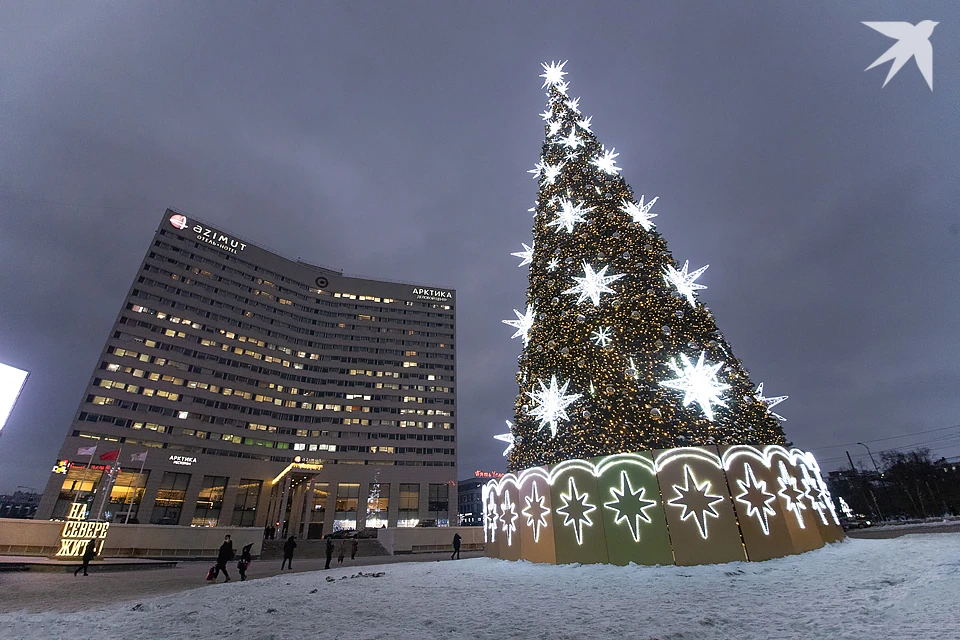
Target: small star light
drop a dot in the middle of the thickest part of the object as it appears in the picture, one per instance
(640, 212)
(770, 403)
(585, 124)
(569, 215)
(572, 140)
(551, 404)
(537, 169)
(554, 128)
(546, 115)
(698, 382)
(523, 323)
(551, 171)
(526, 255)
(553, 264)
(574, 104)
(552, 73)
(562, 87)
(606, 162)
(601, 337)
(685, 282)
(506, 437)
(593, 283)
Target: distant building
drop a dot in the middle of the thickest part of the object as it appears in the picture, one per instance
(21, 504)
(470, 498)
(240, 387)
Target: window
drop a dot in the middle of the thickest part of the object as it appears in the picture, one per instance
(169, 502)
(348, 498)
(409, 505)
(77, 487)
(438, 501)
(378, 504)
(245, 506)
(209, 502)
(126, 495)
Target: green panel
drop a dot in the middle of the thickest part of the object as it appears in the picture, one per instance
(577, 514)
(632, 510)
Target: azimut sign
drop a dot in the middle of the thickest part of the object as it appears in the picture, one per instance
(208, 235)
(437, 295)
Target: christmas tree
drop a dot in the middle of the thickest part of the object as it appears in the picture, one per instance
(618, 353)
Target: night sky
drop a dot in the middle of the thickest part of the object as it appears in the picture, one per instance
(393, 139)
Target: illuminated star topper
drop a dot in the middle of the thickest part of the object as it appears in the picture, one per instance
(552, 73)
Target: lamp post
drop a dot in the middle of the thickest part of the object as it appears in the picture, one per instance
(877, 469)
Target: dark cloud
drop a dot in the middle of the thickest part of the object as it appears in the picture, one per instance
(392, 139)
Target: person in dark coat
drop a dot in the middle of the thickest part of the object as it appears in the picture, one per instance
(288, 548)
(224, 556)
(88, 554)
(329, 551)
(244, 562)
(456, 546)
(353, 549)
(343, 544)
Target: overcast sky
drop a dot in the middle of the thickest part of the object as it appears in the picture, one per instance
(392, 139)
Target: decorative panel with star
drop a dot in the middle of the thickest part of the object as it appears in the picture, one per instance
(699, 512)
(632, 512)
(536, 521)
(578, 530)
(828, 522)
(794, 502)
(754, 487)
(491, 520)
(508, 502)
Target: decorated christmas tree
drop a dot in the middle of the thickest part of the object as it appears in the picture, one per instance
(618, 353)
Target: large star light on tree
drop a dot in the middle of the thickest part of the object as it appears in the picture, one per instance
(551, 404)
(685, 282)
(698, 382)
(569, 215)
(572, 141)
(552, 73)
(523, 324)
(606, 162)
(526, 255)
(769, 403)
(593, 283)
(507, 437)
(640, 212)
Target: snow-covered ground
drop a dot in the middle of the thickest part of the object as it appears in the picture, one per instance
(905, 587)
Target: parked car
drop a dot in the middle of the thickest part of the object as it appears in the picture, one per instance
(856, 522)
(427, 523)
(343, 533)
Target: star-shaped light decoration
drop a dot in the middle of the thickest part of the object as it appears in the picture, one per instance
(569, 215)
(536, 511)
(508, 518)
(576, 510)
(493, 515)
(574, 104)
(572, 141)
(601, 337)
(551, 171)
(546, 115)
(554, 128)
(553, 264)
(593, 283)
(526, 255)
(696, 500)
(813, 493)
(698, 382)
(685, 282)
(552, 73)
(551, 404)
(629, 505)
(562, 87)
(754, 495)
(640, 212)
(769, 403)
(523, 324)
(507, 437)
(790, 493)
(606, 162)
(585, 124)
(537, 170)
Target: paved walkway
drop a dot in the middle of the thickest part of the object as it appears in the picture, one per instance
(38, 592)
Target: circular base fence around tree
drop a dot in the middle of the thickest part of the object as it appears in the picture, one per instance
(686, 506)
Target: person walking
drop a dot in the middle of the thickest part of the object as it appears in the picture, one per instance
(353, 549)
(89, 553)
(456, 546)
(224, 555)
(343, 551)
(329, 551)
(288, 548)
(244, 562)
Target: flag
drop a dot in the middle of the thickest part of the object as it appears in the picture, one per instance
(87, 451)
(138, 457)
(111, 455)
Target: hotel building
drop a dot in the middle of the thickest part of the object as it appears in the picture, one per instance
(265, 390)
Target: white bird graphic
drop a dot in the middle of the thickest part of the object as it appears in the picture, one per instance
(912, 42)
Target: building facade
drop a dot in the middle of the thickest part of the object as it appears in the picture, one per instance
(239, 387)
(470, 498)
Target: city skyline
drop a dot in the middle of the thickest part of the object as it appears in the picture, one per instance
(822, 203)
